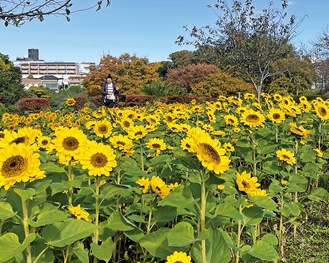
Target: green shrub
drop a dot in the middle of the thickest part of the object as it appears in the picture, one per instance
(160, 89)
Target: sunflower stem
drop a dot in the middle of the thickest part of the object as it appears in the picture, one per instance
(254, 146)
(281, 230)
(26, 230)
(203, 216)
(142, 159)
(237, 253)
(70, 177)
(320, 137)
(148, 229)
(96, 233)
(295, 194)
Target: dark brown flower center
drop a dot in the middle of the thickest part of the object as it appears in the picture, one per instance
(103, 129)
(209, 151)
(70, 143)
(322, 111)
(156, 146)
(252, 118)
(13, 166)
(19, 140)
(276, 116)
(98, 160)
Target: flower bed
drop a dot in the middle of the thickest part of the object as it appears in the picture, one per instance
(219, 181)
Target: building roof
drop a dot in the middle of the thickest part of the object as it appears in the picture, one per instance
(49, 77)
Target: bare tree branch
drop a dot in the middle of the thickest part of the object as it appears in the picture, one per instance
(17, 12)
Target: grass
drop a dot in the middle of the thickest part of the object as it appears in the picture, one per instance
(312, 240)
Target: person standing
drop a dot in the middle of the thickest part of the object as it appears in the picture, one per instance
(110, 92)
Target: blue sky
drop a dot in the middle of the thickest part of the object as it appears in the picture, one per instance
(145, 28)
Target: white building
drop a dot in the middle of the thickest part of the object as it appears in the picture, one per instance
(67, 73)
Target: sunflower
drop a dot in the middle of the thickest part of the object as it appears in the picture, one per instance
(121, 142)
(145, 183)
(126, 124)
(276, 115)
(231, 120)
(292, 110)
(79, 212)
(287, 101)
(184, 127)
(45, 142)
(174, 127)
(286, 156)
(240, 110)
(69, 142)
(101, 112)
(178, 257)
(103, 128)
(186, 144)
(319, 153)
(99, 159)
(70, 102)
(211, 155)
(248, 96)
(322, 111)
(252, 118)
(302, 99)
(277, 97)
(156, 144)
(222, 98)
(236, 129)
(246, 183)
(265, 95)
(208, 127)
(25, 135)
(300, 131)
(218, 133)
(257, 192)
(19, 163)
(159, 187)
(305, 106)
(169, 117)
(137, 132)
(228, 147)
(235, 101)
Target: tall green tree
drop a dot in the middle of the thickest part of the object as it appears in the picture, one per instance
(182, 58)
(297, 75)
(11, 89)
(245, 39)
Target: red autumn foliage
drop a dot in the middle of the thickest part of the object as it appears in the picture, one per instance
(190, 75)
(33, 104)
(80, 102)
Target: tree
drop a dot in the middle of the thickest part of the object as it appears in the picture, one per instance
(187, 76)
(130, 73)
(11, 89)
(322, 78)
(16, 12)
(221, 83)
(297, 74)
(247, 40)
(182, 58)
(321, 44)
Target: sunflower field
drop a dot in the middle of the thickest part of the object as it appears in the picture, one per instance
(221, 181)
